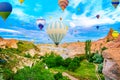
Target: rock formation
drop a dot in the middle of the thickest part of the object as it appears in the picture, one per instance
(111, 67)
(8, 43)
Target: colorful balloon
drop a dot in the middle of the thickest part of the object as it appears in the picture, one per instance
(63, 4)
(60, 18)
(21, 1)
(97, 16)
(41, 23)
(115, 34)
(5, 9)
(115, 3)
(97, 27)
(56, 31)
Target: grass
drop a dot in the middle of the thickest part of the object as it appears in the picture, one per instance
(86, 71)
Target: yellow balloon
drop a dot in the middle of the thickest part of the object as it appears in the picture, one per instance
(115, 34)
(21, 1)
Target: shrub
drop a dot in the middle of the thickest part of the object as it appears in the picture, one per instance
(72, 66)
(37, 72)
(66, 62)
(28, 55)
(58, 76)
(7, 73)
(75, 63)
(100, 67)
(103, 48)
(52, 60)
(1, 74)
(82, 57)
(58, 60)
(97, 58)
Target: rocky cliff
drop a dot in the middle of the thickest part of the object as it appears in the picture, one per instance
(8, 43)
(111, 67)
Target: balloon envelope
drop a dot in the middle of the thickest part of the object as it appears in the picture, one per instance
(5, 9)
(97, 27)
(63, 4)
(41, 23)
(115, 34)
(56, 31)
(40, 26)
(115, 3)
(97, 16)
(21, 1)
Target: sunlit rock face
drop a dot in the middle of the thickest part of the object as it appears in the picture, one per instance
(111, 67)
(8, 43)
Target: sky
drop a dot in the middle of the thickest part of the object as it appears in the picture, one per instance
(79, 16)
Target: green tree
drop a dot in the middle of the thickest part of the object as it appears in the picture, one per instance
(88, 49)
(66, 62)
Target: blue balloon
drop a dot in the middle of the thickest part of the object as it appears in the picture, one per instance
(40, 26)
(5, 7)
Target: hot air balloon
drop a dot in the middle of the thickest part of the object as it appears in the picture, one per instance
(97, 16)
(115, 3)
(63, 4)
(56, 31)
(41, 23)
(60, 18)
(21, 1)
(115, 34)
(5, 9)
(97, 27)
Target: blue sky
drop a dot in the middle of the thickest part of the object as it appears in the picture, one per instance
(80, 16)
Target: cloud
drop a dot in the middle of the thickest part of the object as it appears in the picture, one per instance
(8, 30)
(75, 3)
(85, 21)
(107, 16)
(19, 14)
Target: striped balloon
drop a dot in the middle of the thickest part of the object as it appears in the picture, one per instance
(115, 3)
(5, 9)
(56, 31)
(63, 4)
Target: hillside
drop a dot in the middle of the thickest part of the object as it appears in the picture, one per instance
(15, 54)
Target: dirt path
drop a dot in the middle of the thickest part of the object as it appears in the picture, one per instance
(69, 76)
(97, 75)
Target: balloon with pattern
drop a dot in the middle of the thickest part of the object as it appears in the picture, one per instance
(115, 3)
(63, 4)
(5, 10)
(56, 31)
(40, 23)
